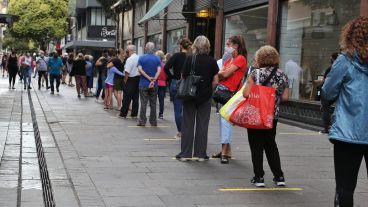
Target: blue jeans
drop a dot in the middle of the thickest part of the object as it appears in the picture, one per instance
(226, 131)
(100, 85)
(178, 105)
(27, 74)
(161, 98)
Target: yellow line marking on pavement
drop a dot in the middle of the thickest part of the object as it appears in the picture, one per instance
(299, 133)
(259, 189)
(160, 126)
(161, 139)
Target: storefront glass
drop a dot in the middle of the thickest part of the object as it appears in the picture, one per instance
(173, 38)
(309, 34)
(252, 25)
(157, 40)
(139, 43)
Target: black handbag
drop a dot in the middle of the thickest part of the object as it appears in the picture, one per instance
(188, 86)
(222, 94)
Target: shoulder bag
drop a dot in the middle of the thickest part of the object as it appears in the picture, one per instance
(188, 86)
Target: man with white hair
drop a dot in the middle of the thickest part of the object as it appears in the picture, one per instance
(149, 66)
(131, 79)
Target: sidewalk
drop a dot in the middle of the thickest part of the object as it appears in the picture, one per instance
(111, 162)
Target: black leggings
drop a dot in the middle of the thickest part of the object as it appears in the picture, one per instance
(264, 140)
(348, 158)
(12, 77)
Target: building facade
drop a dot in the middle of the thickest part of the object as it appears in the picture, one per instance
(305, 32)
(91, 30)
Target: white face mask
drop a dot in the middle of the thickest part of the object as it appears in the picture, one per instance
(229, 50)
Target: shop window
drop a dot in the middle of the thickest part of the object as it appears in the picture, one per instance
(252, 25)
(173, 38)
(139, 43)
(309, 34)
(157, 40)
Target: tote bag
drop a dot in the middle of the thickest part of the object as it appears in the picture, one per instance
(257, 110)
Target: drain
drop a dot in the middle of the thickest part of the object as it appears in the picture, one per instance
(48, 196)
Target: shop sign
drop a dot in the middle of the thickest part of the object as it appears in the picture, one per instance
(103, 32)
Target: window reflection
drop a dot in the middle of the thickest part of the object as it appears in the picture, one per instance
(309, 34)
(252, 25)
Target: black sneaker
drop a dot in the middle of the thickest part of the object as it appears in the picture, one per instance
(258, 182)
(202, 159)
(183, 159)
(121, 116)
(52, 93)
(25, 88)
(29, 87)
(280, 181)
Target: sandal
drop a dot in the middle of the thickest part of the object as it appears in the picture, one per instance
(224, 159)
(218, 155)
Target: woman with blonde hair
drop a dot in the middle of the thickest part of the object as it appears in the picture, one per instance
(197, 111)
(267, 60)
(162, 82)
(347, 86)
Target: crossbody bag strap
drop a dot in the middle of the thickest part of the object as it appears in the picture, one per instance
(269, 77)
(192, 70)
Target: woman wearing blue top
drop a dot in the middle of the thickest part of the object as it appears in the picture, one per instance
(89, 74)
(111, 70)
(347, 86)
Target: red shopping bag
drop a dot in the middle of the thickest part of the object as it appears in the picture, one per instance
(256, 111)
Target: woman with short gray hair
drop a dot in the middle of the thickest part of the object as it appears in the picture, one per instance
(197, 111)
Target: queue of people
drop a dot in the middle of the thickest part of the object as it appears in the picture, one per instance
(143, 80)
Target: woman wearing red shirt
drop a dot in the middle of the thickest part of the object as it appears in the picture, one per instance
(161, 81)
(230, 77)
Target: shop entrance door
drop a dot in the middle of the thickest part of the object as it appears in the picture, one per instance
(206, 27)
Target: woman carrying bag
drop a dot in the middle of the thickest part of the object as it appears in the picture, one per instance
(267, 60)
(230, 77)
(197, 109)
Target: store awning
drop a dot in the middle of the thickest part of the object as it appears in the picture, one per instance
(159, 6)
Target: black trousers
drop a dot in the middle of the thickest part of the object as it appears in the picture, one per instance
(347, 158)
(264, 140)
(131, 93)
(44, 74)
(327, 112)
(52, 78)
(12, 77)
(194, 129)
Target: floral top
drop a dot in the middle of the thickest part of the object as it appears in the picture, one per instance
(279, 81)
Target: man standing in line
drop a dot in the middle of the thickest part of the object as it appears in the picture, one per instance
(131, 80)
(149, 66)
(42, 69)
(55, 64)
(26, 67)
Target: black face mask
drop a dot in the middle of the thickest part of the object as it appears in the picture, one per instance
(55, 56)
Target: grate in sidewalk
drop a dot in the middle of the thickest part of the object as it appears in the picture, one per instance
(45, 179)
